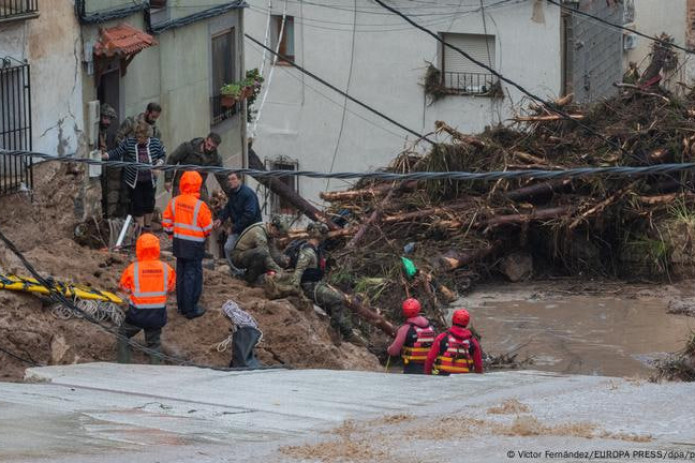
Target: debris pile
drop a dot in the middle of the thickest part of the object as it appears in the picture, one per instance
(457, 232)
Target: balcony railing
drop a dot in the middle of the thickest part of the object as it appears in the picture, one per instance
(15, 126)
(471, 83)
(219, 111)
(17, 9)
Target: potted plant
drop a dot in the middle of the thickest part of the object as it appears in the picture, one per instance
(247, 88)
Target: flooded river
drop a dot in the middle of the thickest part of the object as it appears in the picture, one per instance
(584, 335)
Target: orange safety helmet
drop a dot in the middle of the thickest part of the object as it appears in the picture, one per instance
(461, 318)
(411, 307)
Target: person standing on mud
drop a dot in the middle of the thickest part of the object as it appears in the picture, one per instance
(308, 277)
(198, 152)
(456, 350)
(413, 339)
(119, 197)
(143, 149)
(243, 210)
(189, 221)
(147, 282)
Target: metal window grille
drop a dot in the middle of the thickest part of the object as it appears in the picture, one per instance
(10, 9)
(15, 126)
(470, 83)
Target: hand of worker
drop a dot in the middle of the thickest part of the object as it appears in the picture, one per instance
(216, 224)
(104, 156)
(167, 186)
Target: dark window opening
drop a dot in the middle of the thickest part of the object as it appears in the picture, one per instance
(285, 36)
(223, 72)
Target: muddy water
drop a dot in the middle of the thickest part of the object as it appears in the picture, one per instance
(584, 335)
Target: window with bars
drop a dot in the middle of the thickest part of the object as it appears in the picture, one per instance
(18, 9)
(284, 34)
(278, 204)
(15, 125)
(223, 72)
(463, 75)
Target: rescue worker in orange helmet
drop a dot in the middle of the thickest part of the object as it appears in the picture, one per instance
(456, 350)
(147, 281)
(413, 339)
(189, 221)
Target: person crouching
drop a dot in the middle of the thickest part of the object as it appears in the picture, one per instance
(147, 281)
(413, 339)
(456, 350)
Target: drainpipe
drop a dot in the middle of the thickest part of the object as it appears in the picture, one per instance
(245, 107)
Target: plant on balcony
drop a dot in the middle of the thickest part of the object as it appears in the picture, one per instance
(433, 83)
(246, 89)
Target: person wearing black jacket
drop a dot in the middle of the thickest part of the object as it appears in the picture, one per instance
(242, 209)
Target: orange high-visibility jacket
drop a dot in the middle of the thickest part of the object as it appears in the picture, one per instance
(187, 217)
(148, 280)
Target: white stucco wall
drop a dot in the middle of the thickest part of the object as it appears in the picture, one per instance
(302, 118)
(653, 18)
(51, 44)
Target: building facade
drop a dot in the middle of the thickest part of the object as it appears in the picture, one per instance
(383, 61)
(83, 53)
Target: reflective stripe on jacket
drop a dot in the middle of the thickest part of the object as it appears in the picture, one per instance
(150, 281)
(187, 222)
(417, 343)
(455, 355)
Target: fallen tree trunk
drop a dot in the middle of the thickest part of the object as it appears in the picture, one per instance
(535, 215)
(601, 205)
(453, 260)
(370, 316)
(376, 190)
(665, 199)
(425, 213)
(530, 191)
(281, 189)
(442, 126)
(550, 117)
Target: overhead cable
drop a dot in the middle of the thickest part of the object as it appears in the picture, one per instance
(578, 172)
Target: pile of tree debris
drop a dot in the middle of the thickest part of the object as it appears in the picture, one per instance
(456, 232)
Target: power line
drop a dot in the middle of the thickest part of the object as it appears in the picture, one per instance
(618, 26)
(333, 87)
(578, 172)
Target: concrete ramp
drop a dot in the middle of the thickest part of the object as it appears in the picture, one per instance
(104, 412)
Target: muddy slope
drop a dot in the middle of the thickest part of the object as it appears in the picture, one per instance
(32, 333)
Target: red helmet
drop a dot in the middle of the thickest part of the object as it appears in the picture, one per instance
(461, 318)
(411, 307)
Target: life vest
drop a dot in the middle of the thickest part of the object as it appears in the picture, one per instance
(417, 343)
(455, 355)
(149, 285)
(185, 224)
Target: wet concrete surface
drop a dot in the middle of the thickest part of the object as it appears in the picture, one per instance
(608, 336)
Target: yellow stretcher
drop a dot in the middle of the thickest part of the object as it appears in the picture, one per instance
(71, 290)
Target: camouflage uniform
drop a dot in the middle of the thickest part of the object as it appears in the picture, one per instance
(256, 252)
(323, 294)
(193, 153)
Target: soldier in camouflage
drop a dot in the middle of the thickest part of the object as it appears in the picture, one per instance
(256, 252)
(308, 275)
